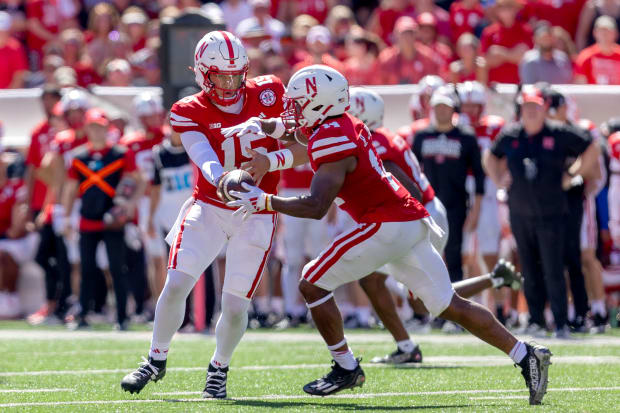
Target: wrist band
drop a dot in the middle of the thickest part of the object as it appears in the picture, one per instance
(280, 129)
(282, 159)
(268, 206)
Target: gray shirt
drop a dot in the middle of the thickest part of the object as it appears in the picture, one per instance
(533, 68)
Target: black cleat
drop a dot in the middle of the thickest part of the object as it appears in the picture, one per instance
(215, 387)
(600, 324)
(337, 380)
(505, 271)
(134, 382)
(534, 368)
(400, 357)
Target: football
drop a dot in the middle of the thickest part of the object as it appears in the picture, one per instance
(232, 182)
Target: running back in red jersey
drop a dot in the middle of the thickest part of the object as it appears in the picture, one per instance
(263, 99)
(369, 193)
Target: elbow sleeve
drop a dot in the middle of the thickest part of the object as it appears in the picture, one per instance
(202, 154)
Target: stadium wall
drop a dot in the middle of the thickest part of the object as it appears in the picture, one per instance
(20, 110)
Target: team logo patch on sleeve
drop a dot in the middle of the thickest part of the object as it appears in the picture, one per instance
(267, 97)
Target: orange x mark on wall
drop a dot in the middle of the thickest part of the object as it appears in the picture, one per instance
(96, 178)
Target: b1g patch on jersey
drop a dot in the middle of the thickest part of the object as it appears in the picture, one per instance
(267, 97)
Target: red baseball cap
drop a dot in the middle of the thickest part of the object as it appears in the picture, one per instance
(531, 94)
(427, 19)
(405, 23)
(96, 115)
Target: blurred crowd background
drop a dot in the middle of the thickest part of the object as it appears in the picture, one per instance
(116, 42)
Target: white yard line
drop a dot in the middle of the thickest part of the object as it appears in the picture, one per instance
(32, 390)
(498, 397)
(279, 337)
(457, 361)
(296, 397)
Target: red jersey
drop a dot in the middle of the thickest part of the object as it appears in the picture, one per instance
(315, 8)
(487, 130)
(65, 141)
(141, 143)
(13, 58)
(563, 13)
(48, 14)
(391, 147)
(263, 98)
(40, 142)
(395, 69)
(326, 59)
(463, 20)
(13, 192)
(298, 177)
(369, 193)
(614, 151)
(599, 68)
(509, 37)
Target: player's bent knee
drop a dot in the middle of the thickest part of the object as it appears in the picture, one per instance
(234, 306)
(313, 294)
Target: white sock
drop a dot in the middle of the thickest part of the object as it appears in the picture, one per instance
(291, 272)
(345, 359)
(169, 312)
(261, 304)
(598, 307)
(346, 309)
(363, 314)
(299, 310)
(518, 352)
(277, 305)
(406, 346)
(571, 312)
(230, 328)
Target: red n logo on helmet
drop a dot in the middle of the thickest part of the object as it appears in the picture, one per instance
(311, 85)
(360, 103)
(201, 50)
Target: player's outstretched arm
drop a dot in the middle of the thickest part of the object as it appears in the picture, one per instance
(325, 186)
(291, 156)
(399, 174)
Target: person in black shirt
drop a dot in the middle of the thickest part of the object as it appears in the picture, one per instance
(447, 152)
(531, 157)
(95, 174)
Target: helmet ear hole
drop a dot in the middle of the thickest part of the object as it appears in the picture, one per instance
(317, 108)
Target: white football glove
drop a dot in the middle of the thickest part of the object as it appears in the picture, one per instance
(251, 126)
(254, 200)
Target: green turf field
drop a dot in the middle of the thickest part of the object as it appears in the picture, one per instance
(43, 370)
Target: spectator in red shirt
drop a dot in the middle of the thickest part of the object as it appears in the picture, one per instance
(505, 42)
(362, 66)
(441, 16)
(408, 61)
(43, 22)
(289, 45)
(465, 17)
(318, 42)
(470, 65)
(13, 66)
(427, 35)
(75, 55)
(590, 12)
(135, 21)
(600, 63)
(383, 19)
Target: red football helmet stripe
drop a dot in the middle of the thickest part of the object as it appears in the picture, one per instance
(231, 55)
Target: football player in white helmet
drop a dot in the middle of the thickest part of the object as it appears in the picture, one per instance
(393, 228)
(205, 225)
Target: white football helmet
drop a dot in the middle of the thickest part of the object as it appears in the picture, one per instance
(74, 99)
(472, 92)
(221, 67)
(147, 104)
(315, 93)
(367, 106)
(418, 104)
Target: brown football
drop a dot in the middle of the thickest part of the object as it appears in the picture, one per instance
(232, 182)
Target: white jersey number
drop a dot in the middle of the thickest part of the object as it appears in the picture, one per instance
(245, 143)
(378, 166)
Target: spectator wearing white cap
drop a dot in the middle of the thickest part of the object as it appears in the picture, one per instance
(117, 73)
(13, 66)
(261, 20)
(318, 43)
(234, 12)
